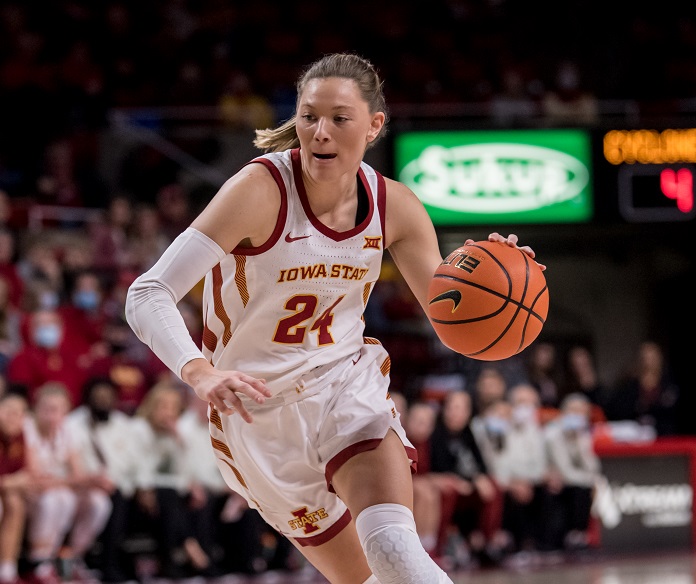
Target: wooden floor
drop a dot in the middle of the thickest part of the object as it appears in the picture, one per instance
(591, 568)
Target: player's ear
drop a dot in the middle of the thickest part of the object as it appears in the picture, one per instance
(375, 126)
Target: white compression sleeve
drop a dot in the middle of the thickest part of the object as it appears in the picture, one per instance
(151, 301)
(388, 535)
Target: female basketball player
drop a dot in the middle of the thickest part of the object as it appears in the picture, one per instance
(290, 249)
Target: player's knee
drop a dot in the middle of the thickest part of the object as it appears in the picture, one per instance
(393, 550)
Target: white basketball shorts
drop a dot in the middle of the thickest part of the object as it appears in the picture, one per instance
(282, 463)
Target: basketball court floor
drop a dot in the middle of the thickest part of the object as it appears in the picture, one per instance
(596, 568)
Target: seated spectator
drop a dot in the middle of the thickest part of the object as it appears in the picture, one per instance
(242, 107)
(472, 501)
(574, 468)
(15, 481)
(544, 372)
(207, 490)
(147, 239)
(102, 435)
(10, 327)
(8, 267)
(522, 472)
(164, 482)
(48, 357)
(568, 102)
(427, 504)
(109, 237)
(125, 364)
(581, 376)
(490, 386)
(70, 507)
(646, 392)
(82, 313)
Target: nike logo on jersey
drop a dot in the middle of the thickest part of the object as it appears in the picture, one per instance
(289, 238)
(355, 361)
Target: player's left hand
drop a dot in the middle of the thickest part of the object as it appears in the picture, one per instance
(511, 240)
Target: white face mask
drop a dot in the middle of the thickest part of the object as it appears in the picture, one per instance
(524, 414)
(574, 422)
(47, 336)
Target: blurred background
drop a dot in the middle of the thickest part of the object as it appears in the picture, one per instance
(119, 120)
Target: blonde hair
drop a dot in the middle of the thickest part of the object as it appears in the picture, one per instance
(344, 65)
(152, 397)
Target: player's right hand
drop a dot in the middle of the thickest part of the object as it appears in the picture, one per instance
(221, 388)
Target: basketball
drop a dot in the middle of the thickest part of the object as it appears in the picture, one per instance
(488, 301)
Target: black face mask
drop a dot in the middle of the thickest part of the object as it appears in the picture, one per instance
(99, 414)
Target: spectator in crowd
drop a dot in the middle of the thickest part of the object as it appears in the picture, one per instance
(472, 500)
(123, 365)
(109, 236)
(646, 392)
(569, 102)
(490, 386)
(15, 481)
(103, 437)
(47, 357)
(427, 501)
(581, 376)
(41, 274)
(574, 469)
(207, 490)
(8, 266)
(164, 482)
(524, 469)
(82, 313)
(147, 239)
(513, 103)
(544, 372)
(71, 506)
(242, 107)
(10, 326)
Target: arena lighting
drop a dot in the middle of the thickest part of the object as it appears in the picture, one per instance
(498, 176)
(656, 171)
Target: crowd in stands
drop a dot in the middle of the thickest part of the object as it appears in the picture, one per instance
(100, 444)
(66, 64)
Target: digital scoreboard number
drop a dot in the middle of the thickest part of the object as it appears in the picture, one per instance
(656, 192)
(656, 173)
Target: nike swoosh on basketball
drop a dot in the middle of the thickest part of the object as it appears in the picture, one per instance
(454, 295)
(289, 238)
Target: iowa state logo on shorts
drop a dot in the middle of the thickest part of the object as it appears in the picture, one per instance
(306, 520)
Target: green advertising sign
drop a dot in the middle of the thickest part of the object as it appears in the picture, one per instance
(498, 176)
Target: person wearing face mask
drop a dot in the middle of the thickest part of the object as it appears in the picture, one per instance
(48, 356)
(83, 314)
(521, 472)
(574, 470)
(103, 437)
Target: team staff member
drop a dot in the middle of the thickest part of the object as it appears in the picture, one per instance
(291, 248)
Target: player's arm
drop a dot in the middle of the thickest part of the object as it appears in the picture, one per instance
(411, 239)
(244, 211)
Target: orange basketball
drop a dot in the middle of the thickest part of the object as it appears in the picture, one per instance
(488, 300)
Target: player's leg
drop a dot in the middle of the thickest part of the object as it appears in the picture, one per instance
(377, 488)
(341, 560)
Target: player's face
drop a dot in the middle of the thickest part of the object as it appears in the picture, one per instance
(334, 126)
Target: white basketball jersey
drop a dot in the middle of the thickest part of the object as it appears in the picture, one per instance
(296, 302)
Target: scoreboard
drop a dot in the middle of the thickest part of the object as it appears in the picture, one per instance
(550, 176)
(655, 173)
